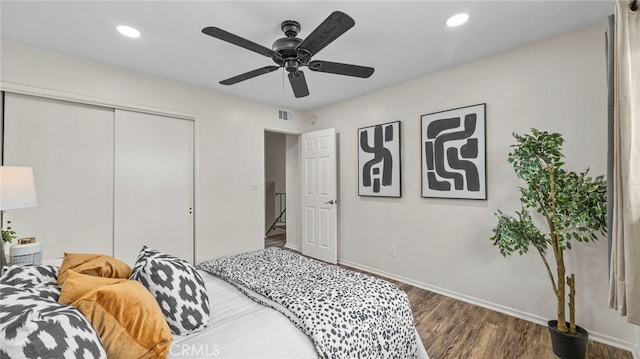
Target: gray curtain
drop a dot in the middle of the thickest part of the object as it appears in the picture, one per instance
(623, 42)
(611, 28)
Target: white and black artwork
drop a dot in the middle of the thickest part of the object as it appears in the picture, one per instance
(379, 160)
(453, 153)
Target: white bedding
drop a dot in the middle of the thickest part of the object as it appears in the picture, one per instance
(243, 329)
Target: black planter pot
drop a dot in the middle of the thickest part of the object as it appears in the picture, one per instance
(567, 345)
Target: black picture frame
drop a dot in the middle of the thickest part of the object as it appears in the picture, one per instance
(380, 160)
(453, 148)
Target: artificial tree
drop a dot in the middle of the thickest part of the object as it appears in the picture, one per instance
(572, 204)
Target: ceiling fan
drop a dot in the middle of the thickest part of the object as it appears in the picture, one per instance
(292, 53)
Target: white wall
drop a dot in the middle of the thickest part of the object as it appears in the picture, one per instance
(443, 244)
(230, 142)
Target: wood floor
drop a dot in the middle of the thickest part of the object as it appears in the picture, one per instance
(278, 240)
(452, 329)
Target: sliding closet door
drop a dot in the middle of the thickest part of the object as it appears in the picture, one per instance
(70, 147)
(153, 185)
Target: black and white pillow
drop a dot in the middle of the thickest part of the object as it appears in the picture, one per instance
(29, 275)
(35, 327)
(41, 278)
(178, 288)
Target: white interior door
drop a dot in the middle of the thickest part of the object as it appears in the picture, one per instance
(319, 195)
(70, 148)
(153, 192)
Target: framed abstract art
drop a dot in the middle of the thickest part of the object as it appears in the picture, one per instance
(453, 153)
(379, 160)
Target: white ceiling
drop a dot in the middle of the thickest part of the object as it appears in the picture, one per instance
(401, 40)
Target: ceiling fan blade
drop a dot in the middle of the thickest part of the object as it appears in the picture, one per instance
(330, 29)
(237, 40)
(341, 69)
(249, 75)
(298, 84)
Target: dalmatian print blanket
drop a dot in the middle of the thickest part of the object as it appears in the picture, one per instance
(345, 313)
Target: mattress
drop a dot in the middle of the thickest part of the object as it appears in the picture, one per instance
(240, 328)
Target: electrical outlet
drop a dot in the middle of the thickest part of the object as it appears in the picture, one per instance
(393, 250)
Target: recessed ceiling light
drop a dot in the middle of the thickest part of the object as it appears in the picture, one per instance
(457, 20)
(128, 31)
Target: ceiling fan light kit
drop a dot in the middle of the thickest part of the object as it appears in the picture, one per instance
(291, 53)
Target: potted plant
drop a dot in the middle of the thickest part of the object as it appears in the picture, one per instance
(573, 206)
(8, 235)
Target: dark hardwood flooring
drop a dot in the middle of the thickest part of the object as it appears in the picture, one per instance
(452, 329)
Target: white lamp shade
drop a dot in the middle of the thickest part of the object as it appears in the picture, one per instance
(17, 188)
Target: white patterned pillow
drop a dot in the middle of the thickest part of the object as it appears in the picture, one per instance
(29, 275)
(178, 288)
(34, 327)
(39, 277)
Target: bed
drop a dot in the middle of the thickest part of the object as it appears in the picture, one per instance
(241, 323)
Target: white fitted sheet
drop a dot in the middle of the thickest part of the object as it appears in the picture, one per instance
(240, 328)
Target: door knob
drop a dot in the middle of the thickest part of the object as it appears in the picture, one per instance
(331, 202)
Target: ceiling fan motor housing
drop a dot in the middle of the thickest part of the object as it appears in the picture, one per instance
(286, 47)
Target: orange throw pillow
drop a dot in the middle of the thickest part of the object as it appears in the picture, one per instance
(77, 284)
(123, 312)
(99, 265)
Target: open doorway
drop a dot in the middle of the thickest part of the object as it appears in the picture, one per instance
(282, 189)
(275, 197)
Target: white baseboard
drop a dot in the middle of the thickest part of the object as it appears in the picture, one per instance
(292, 247)
(598, 337)
(636, 352)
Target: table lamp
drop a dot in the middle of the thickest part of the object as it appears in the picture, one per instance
(17, 190)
